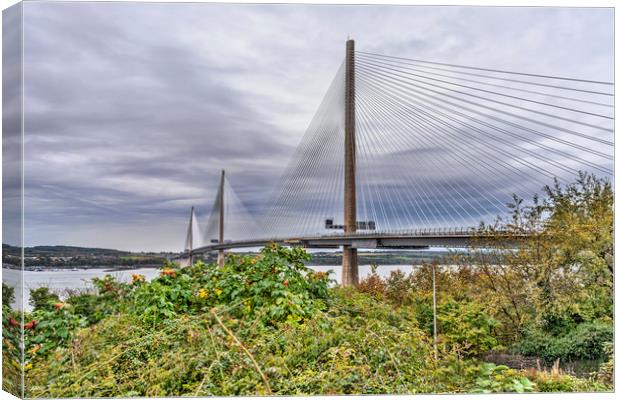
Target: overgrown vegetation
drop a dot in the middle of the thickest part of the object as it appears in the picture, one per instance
(267, 324)
(554, 295)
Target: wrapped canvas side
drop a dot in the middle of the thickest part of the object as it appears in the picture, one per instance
(12, 203)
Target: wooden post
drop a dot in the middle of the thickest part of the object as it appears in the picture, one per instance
(349, 254)
(220, 253)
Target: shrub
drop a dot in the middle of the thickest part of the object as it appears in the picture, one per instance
(555, 381)
(91, 306)
(605, 374)
(275, 284)
(48, 330)
(585, 341)
(466, 328)
(399, 287)
(43, 299)
(8, 295)
(11, 345)
(373, 284)
(499, 378)
(110, 289)
(163, 297)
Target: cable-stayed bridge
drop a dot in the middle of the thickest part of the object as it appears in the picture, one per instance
(407, 153)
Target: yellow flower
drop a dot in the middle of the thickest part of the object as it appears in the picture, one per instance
(27, 367)
(218, 291)
(202, 293)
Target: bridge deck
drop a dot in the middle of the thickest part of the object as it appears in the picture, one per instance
(416, 240)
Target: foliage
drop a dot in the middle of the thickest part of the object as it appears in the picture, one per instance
(91, 306)
(50, 329)
(562, 273)
(355, 346)
(163, 297)
(268, 325)
(8, 295)
(11, 344)
(555, 381)
(43, 299)
(274, 284)
(605, 374)
(109, 289)
(466, 328)
(494, 378)
(587, 340)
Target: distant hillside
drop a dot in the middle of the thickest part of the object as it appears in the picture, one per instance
(74, 256)
(62, 251)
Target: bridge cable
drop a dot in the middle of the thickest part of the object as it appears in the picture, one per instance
(494, 70)
(389, 68)
(391, 77)
(559, 140)
(381, 114)
(518, 89)
(425, 180)
(569, 156)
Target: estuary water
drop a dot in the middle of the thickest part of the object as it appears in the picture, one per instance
(62, 279)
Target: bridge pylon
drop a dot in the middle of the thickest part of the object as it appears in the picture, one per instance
(191, 236)
(220, 253)
(350, 274)
(189, 241)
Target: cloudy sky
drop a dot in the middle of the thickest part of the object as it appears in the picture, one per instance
(131, 109)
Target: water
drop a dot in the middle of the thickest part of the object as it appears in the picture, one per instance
(61, 280)
(364, 270)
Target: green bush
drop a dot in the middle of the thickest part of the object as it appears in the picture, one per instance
(500, 378)
(43, 299)
(8, 295)
(48, 330)
(275, 285)
(466, 328)
(585, 341)
(163, 297)
(91, 306)
(11, 344)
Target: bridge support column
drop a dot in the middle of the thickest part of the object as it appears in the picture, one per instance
(220, 253)
(349, 254)
(349, 266)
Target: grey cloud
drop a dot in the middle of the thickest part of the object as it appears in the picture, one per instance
(132, 109)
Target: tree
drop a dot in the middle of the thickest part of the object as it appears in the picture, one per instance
(560, 274)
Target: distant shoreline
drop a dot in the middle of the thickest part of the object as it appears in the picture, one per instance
(106, 268)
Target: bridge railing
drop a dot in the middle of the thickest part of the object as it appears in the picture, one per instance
(451, 231)
(408, 233)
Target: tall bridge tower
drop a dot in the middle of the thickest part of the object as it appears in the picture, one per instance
(220, 253)
(349, 254)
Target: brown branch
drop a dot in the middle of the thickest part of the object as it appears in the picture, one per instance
(229, 332)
